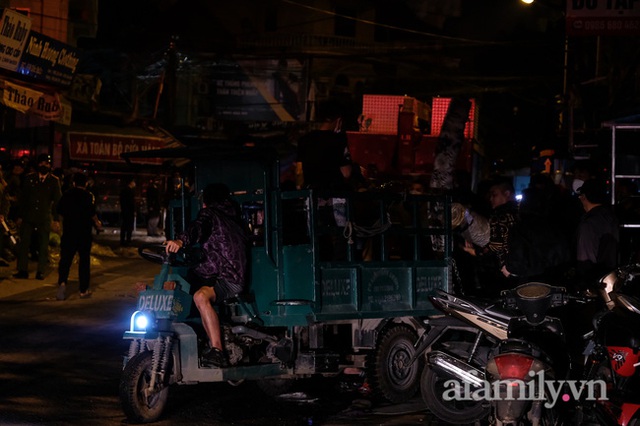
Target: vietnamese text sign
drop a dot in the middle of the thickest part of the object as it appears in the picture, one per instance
(48, 60)
(14, 29)
(28, 100)
(86, 146)
(603, 17)
(252, 90)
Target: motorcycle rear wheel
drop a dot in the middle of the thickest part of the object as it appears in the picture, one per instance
(455, 412)
(135, 379)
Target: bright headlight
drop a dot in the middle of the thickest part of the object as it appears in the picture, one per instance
(141, 321)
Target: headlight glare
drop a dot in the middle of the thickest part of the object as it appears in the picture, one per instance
(141, 321)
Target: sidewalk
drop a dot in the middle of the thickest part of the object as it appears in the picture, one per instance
(105, 253)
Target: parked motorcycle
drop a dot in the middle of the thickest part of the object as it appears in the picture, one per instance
(527, 372)
(613, 355)
(457, 347)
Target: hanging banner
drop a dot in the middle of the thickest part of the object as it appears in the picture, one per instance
(87, 146)
(65, 116)
(31, 101)
(14, 29)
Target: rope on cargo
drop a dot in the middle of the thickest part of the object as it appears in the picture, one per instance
(365, 231)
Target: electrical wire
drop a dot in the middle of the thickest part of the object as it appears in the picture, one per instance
(391, 27)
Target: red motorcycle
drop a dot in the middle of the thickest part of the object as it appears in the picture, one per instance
(613, 353)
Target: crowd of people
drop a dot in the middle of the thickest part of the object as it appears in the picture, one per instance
(560, 232)
(563, 235)
(37, 202)
(556, 234)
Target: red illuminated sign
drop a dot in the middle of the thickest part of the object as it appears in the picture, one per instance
(108, 147)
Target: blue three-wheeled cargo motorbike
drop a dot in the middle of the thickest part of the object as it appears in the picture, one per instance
(323, 295)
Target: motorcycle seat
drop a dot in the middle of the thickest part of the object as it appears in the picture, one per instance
(498, 312)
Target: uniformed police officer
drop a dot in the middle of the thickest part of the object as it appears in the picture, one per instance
(36, 209)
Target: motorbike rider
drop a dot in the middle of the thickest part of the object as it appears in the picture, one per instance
(220, 233)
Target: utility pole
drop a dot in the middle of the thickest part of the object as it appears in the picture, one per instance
(171, 83)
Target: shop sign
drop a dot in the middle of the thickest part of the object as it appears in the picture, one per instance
(14, 30)
(48, 60)
(31, 101)
(603, 17)
(86, 146)
(253, 90)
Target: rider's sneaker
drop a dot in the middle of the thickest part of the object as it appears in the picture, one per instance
(215, 357)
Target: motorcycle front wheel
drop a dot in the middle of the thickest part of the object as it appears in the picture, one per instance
(455, 412)
(138, 404)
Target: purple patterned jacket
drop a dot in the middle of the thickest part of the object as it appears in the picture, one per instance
(223, 242)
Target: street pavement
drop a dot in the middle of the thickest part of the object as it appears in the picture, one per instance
(106, 253)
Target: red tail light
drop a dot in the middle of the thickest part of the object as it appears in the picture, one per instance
(513, 366)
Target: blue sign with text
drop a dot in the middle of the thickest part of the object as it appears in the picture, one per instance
(48, 60)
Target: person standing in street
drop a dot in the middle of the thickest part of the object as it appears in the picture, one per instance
(37, 207)
(127, 211)
(78, 210)
(597, 236)
(5, 204)
(153, 209)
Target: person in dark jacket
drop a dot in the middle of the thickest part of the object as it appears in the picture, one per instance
(597, 236)
(324, 163)
(127, 211)
(218, 230)
(78, 210)
(37, 207)
(538, 249)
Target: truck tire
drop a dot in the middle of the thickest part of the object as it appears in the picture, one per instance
(135, 378)
(389, 374)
